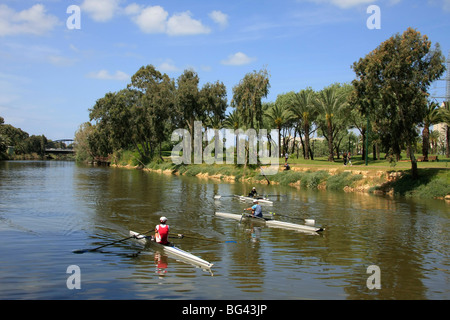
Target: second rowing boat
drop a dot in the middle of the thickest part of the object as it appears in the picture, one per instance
(184, 255)
(260, 200)
(270, 222)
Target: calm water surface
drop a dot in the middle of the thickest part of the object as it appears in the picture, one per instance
(50, 209)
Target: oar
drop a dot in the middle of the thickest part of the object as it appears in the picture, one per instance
(105, 245)
(275, 195)
(180, 236)
(262, 172)
(219, 196)
(282, 215)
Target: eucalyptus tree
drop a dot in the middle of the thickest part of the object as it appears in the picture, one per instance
(112, 116)
(213, 102)
(247, 97)
(188, 106)
(331, 102)
(398, 74)
(247, 100)
(304, 110)
(82, 146)
(152, 100)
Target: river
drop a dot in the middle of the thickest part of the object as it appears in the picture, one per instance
(373, 247)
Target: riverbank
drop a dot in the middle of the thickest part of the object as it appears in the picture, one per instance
(433, 183)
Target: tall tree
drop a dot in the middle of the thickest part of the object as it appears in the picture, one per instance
(303, 108)
(188, 105)
(113, 122)
(152, 97)
(331, 102)
(279, 116)
(398, 74)
(247, 97)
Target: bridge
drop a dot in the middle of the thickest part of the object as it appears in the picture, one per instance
(60, 150)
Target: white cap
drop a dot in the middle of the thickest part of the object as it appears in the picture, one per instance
(253, 188)
(255, 201)
(163, 219)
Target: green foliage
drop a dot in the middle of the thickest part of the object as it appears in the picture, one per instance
(313, 179)
(391, 87)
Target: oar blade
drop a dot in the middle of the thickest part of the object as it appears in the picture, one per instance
(79, 251)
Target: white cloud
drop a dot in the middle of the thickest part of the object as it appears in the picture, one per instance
(34, 21)
(101, 10)
(168, 66)
(219, 17)
(105, 75)
(149, 19)
(238, 59)
(154, 19)
(183, 24)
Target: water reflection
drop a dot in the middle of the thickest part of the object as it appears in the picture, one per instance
(58, 207)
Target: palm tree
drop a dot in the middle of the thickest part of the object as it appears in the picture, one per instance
(434, 138)
(432, 116)
(330, 103)
(278, 116)
(234, 121)
(303, 108)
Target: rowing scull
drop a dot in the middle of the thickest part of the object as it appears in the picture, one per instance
(270, 222)
(260, 200)
(174, 251)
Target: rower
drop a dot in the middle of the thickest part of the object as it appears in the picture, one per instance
(253, 193)
(256, 209)
(162, 232)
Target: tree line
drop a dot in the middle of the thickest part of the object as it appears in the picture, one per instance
(23, 146)
(386, 103)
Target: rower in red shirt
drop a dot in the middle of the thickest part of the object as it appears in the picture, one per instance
(162, 232)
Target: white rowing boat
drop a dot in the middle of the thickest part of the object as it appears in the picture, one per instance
(270, 222)
(184, 255)
(260, 200)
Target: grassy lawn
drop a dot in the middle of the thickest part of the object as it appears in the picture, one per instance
(443, 163)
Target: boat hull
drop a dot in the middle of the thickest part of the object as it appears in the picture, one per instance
(270, 222)
(250, 199)
(183, 255)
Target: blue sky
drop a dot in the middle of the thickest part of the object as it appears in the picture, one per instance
(50, 75)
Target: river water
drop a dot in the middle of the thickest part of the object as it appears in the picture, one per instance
(49, 209)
